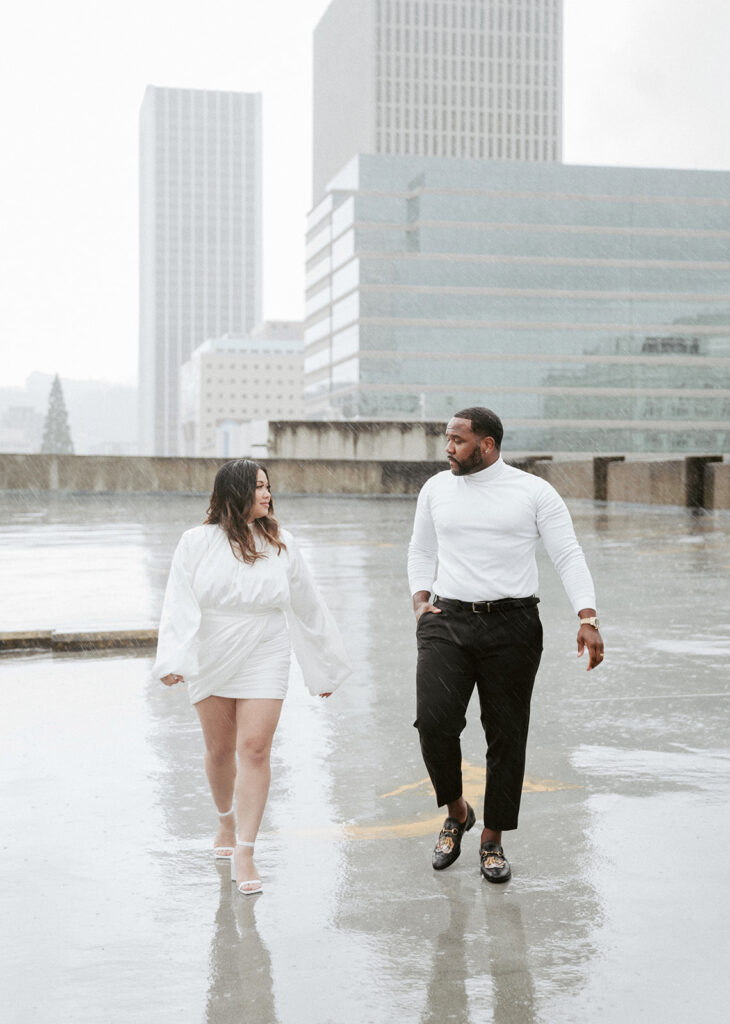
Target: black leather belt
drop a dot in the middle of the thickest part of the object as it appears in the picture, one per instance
(481, 607)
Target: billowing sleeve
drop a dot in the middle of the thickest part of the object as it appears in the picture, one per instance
(423, 547)
(556, 529)
(180, 619)
(315, 638)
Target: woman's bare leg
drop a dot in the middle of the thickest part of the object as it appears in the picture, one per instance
(218, 719)
(256, 724)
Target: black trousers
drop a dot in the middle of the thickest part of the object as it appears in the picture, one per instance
(498, 652)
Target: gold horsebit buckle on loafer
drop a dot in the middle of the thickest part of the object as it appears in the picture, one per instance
(491, 859)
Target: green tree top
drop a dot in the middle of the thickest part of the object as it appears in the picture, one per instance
(56, 431)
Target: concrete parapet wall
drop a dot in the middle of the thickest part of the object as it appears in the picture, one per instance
(338, 476)
(369, 440)
(102, 473)
(687, 482)
(105, 473)
(717, 485)
(570, 479)
(651, 483)
(695, 481)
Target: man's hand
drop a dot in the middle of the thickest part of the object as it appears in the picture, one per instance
(171, 679)
(422, 603)
(588, 636)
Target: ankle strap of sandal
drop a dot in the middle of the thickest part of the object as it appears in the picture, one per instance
(239, 843)
(226, 814)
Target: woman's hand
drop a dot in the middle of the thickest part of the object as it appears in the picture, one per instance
(171, 679)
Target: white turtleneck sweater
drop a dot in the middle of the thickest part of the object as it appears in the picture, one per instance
(474, 537)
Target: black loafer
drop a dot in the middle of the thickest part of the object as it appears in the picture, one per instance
(448, 847)
(495, 866)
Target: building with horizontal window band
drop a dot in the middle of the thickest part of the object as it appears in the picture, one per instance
(588, 306)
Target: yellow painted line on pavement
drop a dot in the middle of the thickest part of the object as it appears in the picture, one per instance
(404, 789)
(473, 778)
(402, 830)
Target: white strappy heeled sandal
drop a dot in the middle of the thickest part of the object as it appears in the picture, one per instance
(224, 852)
(256, 882)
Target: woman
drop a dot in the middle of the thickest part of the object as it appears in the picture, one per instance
(238, 598)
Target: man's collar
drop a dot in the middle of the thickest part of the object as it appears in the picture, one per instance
(485, 476)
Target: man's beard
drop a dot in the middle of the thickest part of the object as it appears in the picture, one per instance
(470, 464)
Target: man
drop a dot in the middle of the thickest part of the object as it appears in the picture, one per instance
(473, 547)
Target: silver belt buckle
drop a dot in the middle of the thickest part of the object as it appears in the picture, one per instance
(476, 611)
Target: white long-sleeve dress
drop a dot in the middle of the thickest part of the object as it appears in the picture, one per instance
(228, 628)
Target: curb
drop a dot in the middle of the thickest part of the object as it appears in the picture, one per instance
(93, 640)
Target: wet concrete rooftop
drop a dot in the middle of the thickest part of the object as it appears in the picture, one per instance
(114, 911)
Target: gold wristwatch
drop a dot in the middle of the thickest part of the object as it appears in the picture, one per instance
(592, 621)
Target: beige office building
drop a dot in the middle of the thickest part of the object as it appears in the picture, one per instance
(476, 79)
(230, 381)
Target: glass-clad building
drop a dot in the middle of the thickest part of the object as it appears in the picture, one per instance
(589, 306)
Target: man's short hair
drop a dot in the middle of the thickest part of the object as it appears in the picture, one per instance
(484, 423)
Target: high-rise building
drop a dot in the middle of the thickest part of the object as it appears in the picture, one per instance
(200, 239)
(476, 79)
(589, 306)
(231, 381)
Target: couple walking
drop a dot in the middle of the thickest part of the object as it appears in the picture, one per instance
(240, 597)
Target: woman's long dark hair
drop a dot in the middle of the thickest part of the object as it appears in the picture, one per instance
(234, 492)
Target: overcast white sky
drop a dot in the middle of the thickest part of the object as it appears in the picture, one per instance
(646, 84)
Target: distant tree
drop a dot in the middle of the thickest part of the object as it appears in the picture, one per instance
(56, 431)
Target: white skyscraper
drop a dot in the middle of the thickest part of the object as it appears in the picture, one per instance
(478, 79)
(200, 239)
